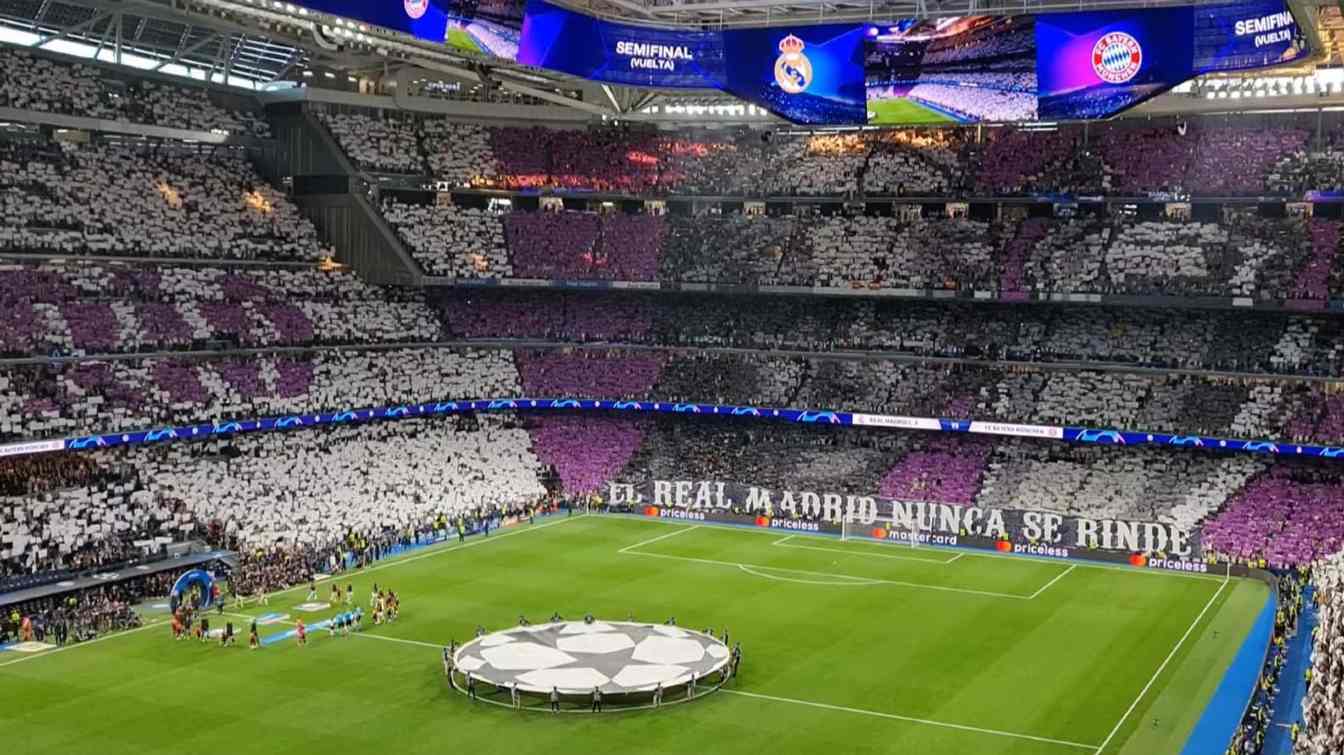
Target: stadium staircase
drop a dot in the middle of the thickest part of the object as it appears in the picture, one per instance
(1292, 687)
(333, 193)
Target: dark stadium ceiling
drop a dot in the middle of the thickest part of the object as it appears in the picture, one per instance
(253, 43)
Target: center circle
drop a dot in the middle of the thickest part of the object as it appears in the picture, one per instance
(574, 657)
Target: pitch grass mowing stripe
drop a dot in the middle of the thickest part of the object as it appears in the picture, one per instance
(1163, 666)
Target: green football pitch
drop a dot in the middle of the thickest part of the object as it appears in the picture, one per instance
(903, 112)
(848, 647)
(462, 41)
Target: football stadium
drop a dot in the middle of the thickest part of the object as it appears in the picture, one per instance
(672, 376)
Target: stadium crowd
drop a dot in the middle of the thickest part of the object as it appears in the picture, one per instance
(76, 308)
(1323, 712)
(188, 201)
(231, 266)
(44, 84)
(81, 616)
(1117, 158)
(1244, 255)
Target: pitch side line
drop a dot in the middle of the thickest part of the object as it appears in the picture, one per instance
(782, 543)
(94, 641)
(360, 633)
(1160, 668)
(384, 565)
(660, 537)
(909, 719)
(1058, 577)
(832, 575)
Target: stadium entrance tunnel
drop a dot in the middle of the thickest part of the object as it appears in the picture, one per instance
(194, 578)
(631, 665)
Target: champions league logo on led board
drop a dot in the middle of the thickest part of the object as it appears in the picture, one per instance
(415, 8)
(793, 71)
(1116, 57)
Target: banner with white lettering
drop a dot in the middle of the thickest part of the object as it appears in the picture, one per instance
(582, 45)
(900, 520)
(1246, 35)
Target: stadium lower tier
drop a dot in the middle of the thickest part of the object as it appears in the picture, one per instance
(317, 488)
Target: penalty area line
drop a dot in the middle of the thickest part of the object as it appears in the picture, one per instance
(909, 719)
(653, 540)
(867, 554)
(1049, 584)
(855, 581)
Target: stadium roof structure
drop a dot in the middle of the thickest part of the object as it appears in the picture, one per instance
(770, 12)
(256, 44)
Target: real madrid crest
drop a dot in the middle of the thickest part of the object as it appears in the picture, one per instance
(793, 71)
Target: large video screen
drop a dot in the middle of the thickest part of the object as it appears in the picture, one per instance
(952, 70)
(806, 74)
(560, 39)
(1096, 64)
(1002, 69)
(485, 27)
(1246, 35)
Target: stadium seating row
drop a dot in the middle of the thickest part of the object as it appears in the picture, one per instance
(1245, 256)
(35, 82)
(1323, 715)
(1119, 159)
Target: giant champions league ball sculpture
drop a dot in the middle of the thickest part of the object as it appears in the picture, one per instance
(627, 661)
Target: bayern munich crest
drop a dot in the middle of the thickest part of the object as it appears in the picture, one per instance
(1116, 57)
(793, 71)
(415, 8)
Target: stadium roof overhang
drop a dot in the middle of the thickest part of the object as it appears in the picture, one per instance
(255, 43)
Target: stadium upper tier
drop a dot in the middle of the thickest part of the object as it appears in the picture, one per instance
(1245, 255)
(164, 199)
(33, 82)
(1117, 159)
